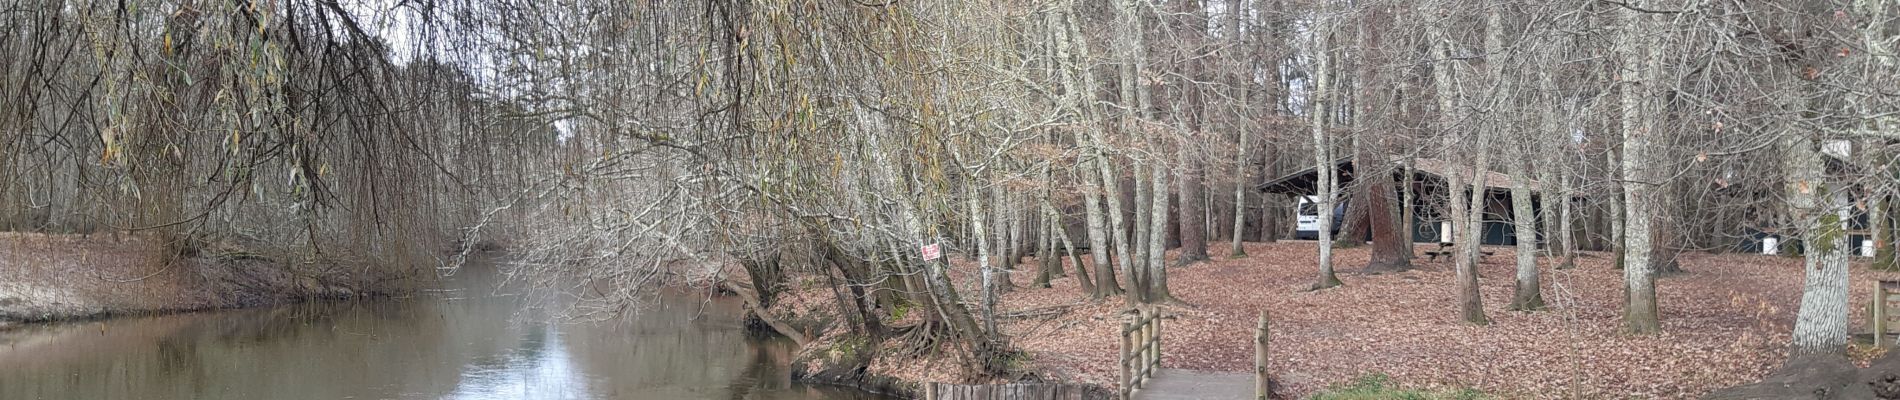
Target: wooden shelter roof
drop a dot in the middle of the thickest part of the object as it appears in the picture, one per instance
(1303, 182)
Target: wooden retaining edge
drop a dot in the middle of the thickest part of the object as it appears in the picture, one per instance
(1013, 391)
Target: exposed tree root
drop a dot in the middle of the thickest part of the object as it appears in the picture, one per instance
(916, 340)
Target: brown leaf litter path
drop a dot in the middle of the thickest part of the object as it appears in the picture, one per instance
(1726, 321)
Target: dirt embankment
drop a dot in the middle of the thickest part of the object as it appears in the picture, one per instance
(45, 277)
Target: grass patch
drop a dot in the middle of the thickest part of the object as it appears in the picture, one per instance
(1380, 387)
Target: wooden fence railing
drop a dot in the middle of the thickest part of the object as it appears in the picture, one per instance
(1882, 318)
(1141, 350)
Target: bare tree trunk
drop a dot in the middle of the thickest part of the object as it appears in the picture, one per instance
(1556, 180)
(1018, 230)
(1389, 240)
(1640, 287)
(1408, 205)
(1270, 209)
(1080, 84)
(1550, 149)
(1461, 207)
(1391, 243)
(1193, 218)
(1666, 242)
(1546, 190)
(973, 205)
(1353, 225)
(1000, 245)
(848, 286)
(1157, 242)
(1885, 231)
(1062, 232)
(1821, 324)
(1408, 197)
(1237, 73)
(1619, 212)
(1470, 299)
(984, 344)
(1642, 59)
(1240, 193)
(1046, 258)
(1140, 283)
(1322, 149)
(1529, 295)
(1099, 231)
(1445, 91)
(1050, 222)
(1566, 237)
(1566, 230)
(1129, 47)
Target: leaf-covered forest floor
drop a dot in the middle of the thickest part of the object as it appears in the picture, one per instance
(1726, 321)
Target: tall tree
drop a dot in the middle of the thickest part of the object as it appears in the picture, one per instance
(1819, 203)
(1157, 240)
(1529, 294)
(1642, 92)
(1323, 161)
(1129, 51)
(1391, 242)
(1072, 57)
(1194, 113)
(1234, 71)
(1816, 207)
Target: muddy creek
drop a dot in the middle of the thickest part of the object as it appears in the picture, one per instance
(467, 340)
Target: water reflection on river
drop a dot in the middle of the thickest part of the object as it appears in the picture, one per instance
(451, 344)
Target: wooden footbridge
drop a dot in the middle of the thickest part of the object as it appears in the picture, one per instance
(1142, 377)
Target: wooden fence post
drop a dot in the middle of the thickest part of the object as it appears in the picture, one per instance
(1148, 349)
(1880, 314)
(1125, 358)
(1141, 346)
(1260, 359)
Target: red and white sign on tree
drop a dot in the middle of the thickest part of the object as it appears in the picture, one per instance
(932, 251)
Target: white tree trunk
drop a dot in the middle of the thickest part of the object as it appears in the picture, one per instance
(1139, 281)
(1529, 296)
(1240, 197)
(1079, 83)
(1471, 300)
(976, 212)
(1158, 238)
(1445, 92)
(1128, 45)
(1322, 147)
(1642, 59)
(1821, 323)
(1564, 218)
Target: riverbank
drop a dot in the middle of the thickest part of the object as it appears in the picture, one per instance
(52, 277)
(1727, 321)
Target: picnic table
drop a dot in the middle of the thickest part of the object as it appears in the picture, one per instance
(1446, 249)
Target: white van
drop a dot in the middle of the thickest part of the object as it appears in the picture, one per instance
(1307, 224)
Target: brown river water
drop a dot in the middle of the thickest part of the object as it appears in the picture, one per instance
(470, 342)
